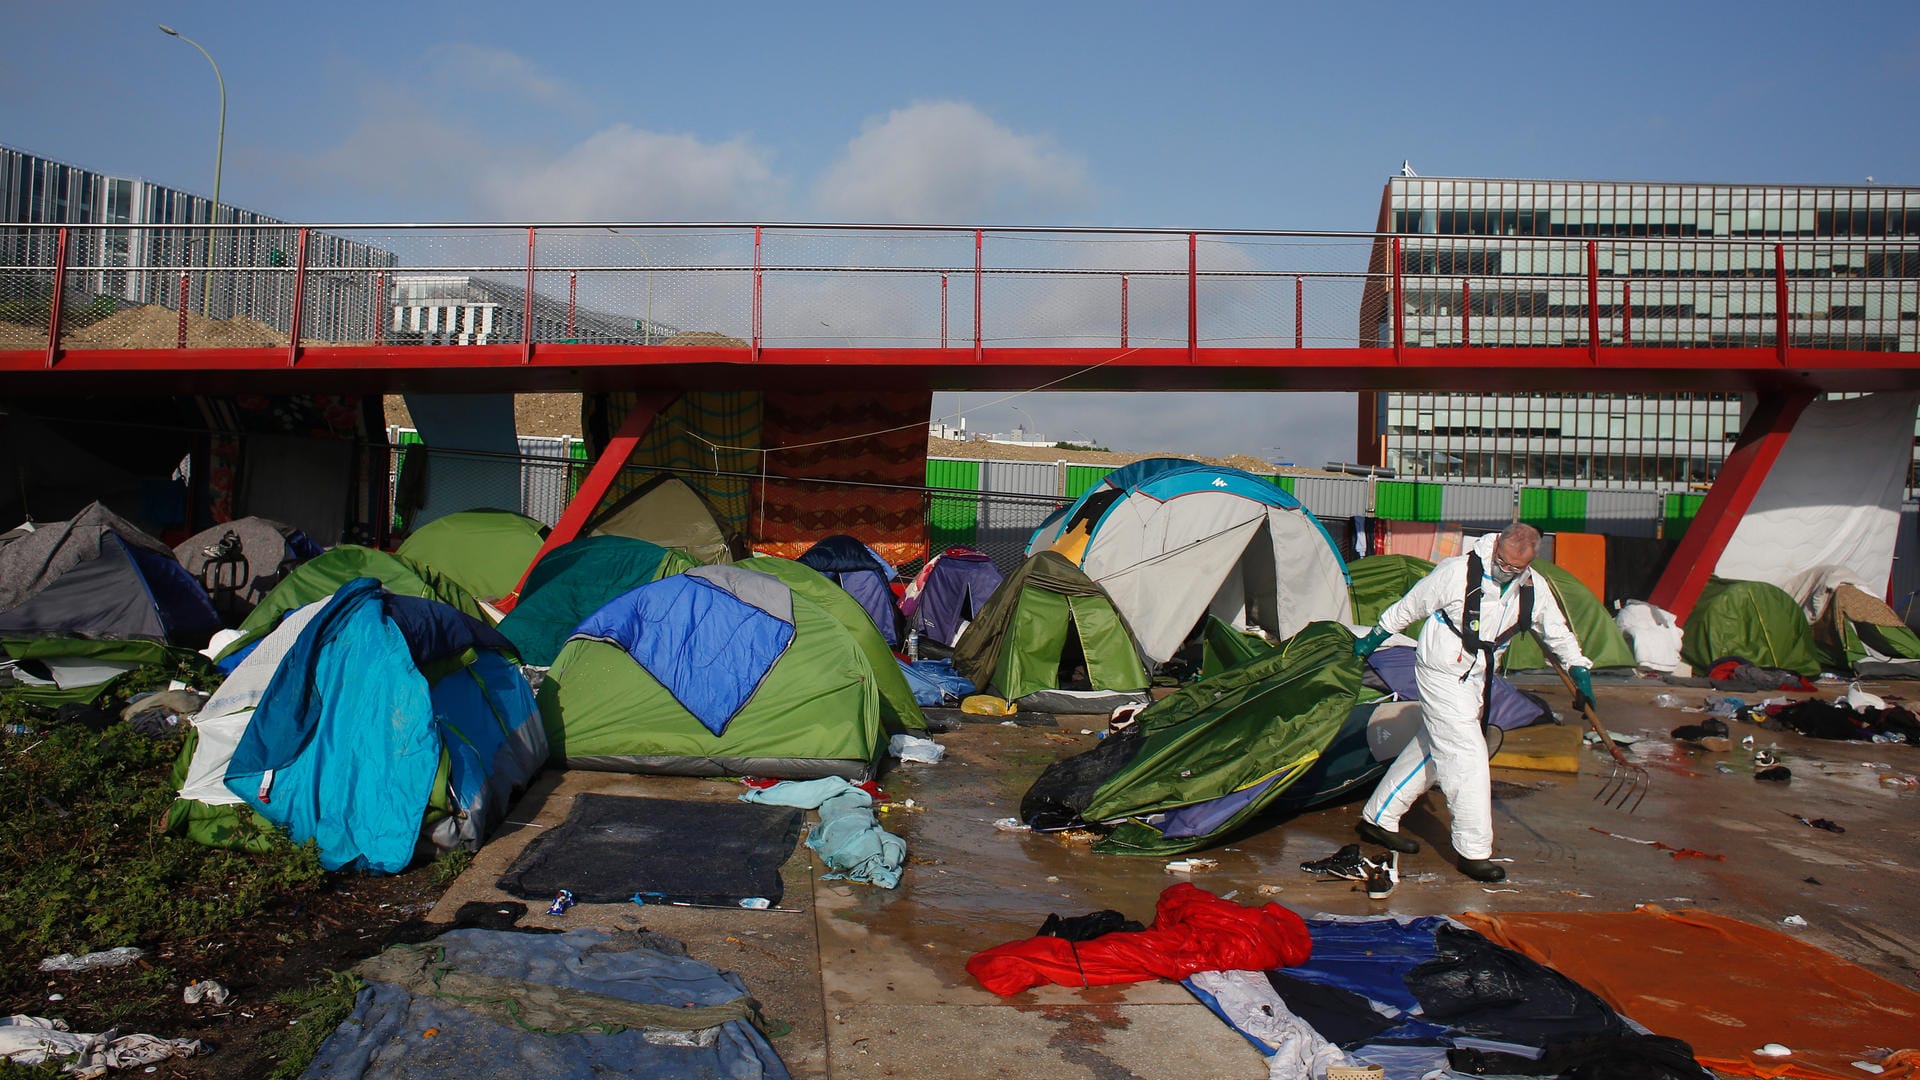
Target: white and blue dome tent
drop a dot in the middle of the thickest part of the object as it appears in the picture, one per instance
(1173, 541)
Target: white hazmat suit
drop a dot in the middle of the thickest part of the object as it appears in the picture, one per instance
(1450, 748)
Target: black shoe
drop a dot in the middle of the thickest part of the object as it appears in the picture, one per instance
(1382, 875)
(1483, 870)
(1347, 863)
(1374, 834)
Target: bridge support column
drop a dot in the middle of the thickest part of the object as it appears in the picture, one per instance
(606, 469)
(1740, 478)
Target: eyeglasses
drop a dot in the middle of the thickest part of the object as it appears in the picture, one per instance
(1506, 567)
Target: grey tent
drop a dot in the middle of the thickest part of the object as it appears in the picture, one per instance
(239, 572)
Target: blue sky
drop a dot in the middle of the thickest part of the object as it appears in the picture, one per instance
(1129, 114)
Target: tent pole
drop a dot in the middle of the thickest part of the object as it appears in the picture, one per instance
(606, 469)
(1746, 468)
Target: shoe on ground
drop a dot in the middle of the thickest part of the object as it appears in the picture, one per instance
(1382, 875)
(1483, 870)
(1347, 864)
(1393, 841)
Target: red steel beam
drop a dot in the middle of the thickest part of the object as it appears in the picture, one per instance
(1745, 470)
(606, 469)
(1193, 298)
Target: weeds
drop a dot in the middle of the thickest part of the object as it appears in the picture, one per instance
(450, 865)
(321, 1009)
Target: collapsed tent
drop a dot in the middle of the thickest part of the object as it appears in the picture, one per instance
(1207, 759)
(1046, 618)
(1178, 541)
(1599, 636)
(287, 735)
(321, 577)
(667, 511)
(949, 592)
(485, 551)
(899, 710)
(239, 562)
(1752, 620)
(90, 598)
(719, 671)
(1852, 628)
(867, 577)
(577, 579)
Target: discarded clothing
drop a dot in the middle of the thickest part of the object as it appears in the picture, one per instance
(848, 838)
(1733, 673)
(1624, 1057)
(1244, 999)
(33, 1040)
(1487, 990)
(1653, 632)
(1344, 1017)
(1830, 720)
(573, 1006)
(1193, 930)
(1370, 957)
(1088, 927)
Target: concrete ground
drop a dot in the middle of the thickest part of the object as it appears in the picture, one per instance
(873, 980)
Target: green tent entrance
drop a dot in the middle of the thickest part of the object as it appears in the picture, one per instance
(1034, 624)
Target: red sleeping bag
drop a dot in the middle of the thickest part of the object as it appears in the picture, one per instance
(1193, 930)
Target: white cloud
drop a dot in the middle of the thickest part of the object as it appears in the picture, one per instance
(948, 161)
(623, 173)
(496, 71)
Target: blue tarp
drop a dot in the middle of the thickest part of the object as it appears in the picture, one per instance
(707, 647)
(382, 1038)
(1511, 708)
(935, 682)
(346, 722)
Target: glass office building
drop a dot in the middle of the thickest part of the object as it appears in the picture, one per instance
(142, 266)
(1492, 262)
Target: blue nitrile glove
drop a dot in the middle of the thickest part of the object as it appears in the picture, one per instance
(1364, 645)
(1583, 688)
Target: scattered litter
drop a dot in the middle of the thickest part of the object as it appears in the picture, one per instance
(430, 1033)
(1880, 765)
(1746, 741)
(66, 961)
(1791, 920)
(915, 749)
(1725, 707)
(1774, 1050)
(1819, 823)
(1860, 701)
(1053, 879)
(1008, 723)
(1230, 894)
(1869, 1066)
(1676, 852)
(1009, 824)
(1191, 866)
(1593, 738)
(34, 1040)
(1667, 701)
(56, 997)
(1811, 880)
(1723, 767)
(1498, 890)
(987, 705)
(1270, 890)
(1575, 892)
(1899, 780)
(208, 991)
(1500, 860)
(755, 903)
(1086, 731)
(562, 900)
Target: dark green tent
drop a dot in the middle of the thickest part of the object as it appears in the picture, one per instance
(1755, 621)
(485, 552)
(577, 579)
(1222, 647)
(1034, 622)
(1600, 637)
(1860, 632)
(1238, 741)
(320, 577)
(1379, 580)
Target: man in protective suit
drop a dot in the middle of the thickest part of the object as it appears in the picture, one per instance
(1479, 601)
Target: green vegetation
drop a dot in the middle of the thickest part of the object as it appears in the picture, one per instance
(84, 858)
(450, 865)
(320, 1008)
(1080, 446)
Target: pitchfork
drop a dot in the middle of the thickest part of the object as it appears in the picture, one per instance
(1628, 779)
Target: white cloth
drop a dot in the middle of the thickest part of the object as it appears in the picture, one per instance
(1654, 634)
(31, 1040)
(1298, 1052)
(1450, 749)
(224, 718)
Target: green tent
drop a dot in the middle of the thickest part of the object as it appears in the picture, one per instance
(1036, 621)
(719, 671)
(898, 710)
(322, 576)
(1379, 580)
(486, 552)
(1250, 732)
(1600, 637)
(1222, 647)
(1755, 621)
(1856, 629)
(577, 579)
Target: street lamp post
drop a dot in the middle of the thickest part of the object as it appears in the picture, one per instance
(1029, 429)
(648, 262)
(219, 153)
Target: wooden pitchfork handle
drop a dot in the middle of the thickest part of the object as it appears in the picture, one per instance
(1593, 718)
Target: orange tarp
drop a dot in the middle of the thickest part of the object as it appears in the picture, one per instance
(1726, 988)
(1584, 555)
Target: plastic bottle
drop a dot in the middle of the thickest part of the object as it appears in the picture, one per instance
(913, 644)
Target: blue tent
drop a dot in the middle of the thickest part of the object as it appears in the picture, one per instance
(866, 576)
(388, 714)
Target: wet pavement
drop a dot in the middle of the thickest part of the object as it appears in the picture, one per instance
(873, 981)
